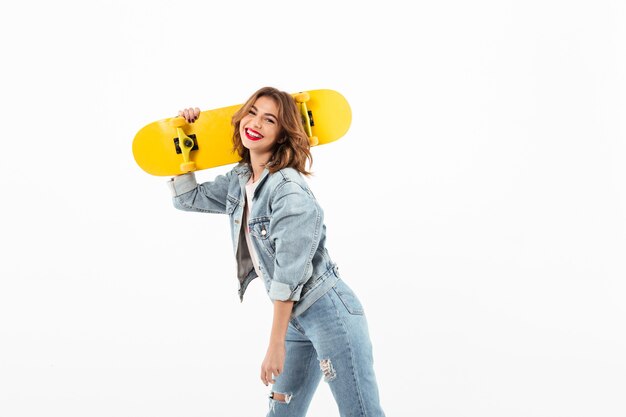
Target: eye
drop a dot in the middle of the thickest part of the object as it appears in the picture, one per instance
(252, 112)
(270, 120)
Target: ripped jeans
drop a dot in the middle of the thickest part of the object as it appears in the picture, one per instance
(330, 340)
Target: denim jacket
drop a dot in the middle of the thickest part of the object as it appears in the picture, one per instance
(286, 227)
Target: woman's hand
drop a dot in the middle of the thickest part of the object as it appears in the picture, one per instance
(273, 363)
(190, 114)
(275, 357)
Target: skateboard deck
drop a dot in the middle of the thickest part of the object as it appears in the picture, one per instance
(172, 146)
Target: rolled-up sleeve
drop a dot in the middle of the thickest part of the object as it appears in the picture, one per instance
(295, 230)
(182, 184)
(208, 197)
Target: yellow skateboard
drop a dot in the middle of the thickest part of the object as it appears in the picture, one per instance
(173, 146)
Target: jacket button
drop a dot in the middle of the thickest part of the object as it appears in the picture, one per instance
(263, 232)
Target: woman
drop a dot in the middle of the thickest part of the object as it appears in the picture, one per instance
(319, 328)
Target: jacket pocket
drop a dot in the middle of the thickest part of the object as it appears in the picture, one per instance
(348, 298)
(260, 230)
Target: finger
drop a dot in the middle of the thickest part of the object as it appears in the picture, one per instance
(271, 376)
(189, 115)
(183, 114)
(196, 113)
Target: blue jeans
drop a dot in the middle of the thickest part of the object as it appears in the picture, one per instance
(331, 340)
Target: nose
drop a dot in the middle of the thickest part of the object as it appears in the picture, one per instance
(255, 120)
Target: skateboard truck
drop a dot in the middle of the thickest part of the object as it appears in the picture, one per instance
(186, 145)
(307, 116)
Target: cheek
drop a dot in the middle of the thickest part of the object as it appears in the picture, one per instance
(244, 120)
(276, 132)
(242, 125)
(274, 137)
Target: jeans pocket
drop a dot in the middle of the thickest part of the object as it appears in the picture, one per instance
(348, 298)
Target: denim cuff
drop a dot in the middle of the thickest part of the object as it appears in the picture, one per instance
(182, 184)
(282, 292)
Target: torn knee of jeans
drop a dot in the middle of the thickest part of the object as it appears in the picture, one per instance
(278, 398)
(328, 370)
(281, 398)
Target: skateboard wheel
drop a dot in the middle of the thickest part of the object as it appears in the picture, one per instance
(302, 97)
(188, 166)
(178, 122)
(313, 141)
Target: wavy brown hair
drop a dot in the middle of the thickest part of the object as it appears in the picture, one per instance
(292, 149)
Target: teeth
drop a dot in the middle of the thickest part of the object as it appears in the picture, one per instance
(255, 135)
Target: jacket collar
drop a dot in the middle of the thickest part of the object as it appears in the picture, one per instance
(242, 169)
(244, 172)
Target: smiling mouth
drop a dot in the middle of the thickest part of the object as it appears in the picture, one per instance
(252, 134)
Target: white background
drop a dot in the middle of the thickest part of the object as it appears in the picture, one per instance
(477, 205)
